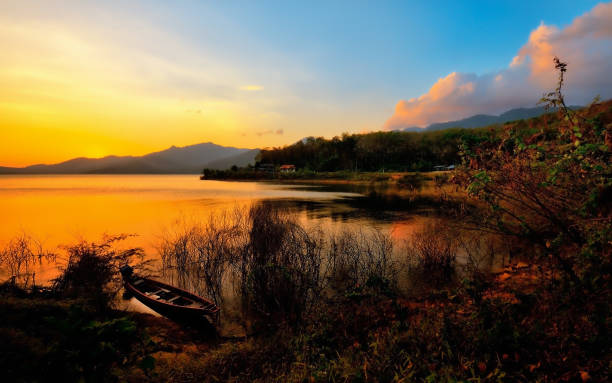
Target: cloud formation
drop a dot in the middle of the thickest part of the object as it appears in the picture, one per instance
(586, 45)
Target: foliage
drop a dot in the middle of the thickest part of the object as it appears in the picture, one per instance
(274, 262)
(358, 259)
(378, 151)
(195, 253)
(44, 340)
(548, 181)
(433, 249)
(92, 271)
(278, 266)
(506, 336)
(279, 272)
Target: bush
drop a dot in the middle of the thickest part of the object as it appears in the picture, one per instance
(548, 184)
(433, 249)
(279, 267)
(92, 271)
(274, 262)
(49, 340)
(358, 258)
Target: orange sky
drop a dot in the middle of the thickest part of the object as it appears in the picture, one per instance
(64, 96)
(76, 87)
(81, 78)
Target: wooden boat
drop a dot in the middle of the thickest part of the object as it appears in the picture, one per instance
(167, 300)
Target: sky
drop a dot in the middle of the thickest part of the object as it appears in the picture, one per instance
(85, 78)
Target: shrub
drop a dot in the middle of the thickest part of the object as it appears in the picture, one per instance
(274, 262)
(92, 271)
(548, 183)
(279, 268)
(433, 249)
(356, 258)
(19, 257)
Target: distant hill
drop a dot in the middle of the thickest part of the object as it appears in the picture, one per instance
(481, 120)
(240, 160)
(186, 160)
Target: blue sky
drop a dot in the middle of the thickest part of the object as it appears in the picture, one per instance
(398, 48)
(118, 77)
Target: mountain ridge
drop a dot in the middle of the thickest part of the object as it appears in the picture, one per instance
(190, 159)
(480, 120)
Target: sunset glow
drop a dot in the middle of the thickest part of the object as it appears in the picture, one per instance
(94, 79)
(305, 191)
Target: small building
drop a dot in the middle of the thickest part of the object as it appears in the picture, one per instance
(287, 168)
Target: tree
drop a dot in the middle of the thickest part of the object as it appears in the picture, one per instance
(548, 181)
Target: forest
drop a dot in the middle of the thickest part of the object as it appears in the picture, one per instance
(377, 151)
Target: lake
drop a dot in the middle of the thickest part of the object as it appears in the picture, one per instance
(63, 209)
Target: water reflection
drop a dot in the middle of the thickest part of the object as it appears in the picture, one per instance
(63, 209)
(60, 209)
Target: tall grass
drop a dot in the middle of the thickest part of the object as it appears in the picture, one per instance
(20, 256)
(433, 250)
(356, 257)
(277, 267)
(196, 256)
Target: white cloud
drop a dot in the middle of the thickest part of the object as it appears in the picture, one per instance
(586, 45)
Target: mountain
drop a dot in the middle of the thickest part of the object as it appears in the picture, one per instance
(481, 120)
(240, 160)
(186, 160)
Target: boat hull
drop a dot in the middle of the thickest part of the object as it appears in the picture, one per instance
(198, 308)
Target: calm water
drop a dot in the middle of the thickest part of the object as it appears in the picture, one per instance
(62, 209)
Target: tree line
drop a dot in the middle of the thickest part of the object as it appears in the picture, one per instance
(377, 151)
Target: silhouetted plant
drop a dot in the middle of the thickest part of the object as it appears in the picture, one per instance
(19, 257)
(194, 253)
(273, 261)
(555, 100)
(91, 271)
(280, 267)
(355, 257)
(433, 249)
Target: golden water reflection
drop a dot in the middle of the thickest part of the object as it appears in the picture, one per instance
(62, 209)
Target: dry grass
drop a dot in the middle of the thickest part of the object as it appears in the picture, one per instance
(277, 267)
(433, 250)
(20, 256)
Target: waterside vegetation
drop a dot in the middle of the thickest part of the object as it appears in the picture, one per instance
(318, 307)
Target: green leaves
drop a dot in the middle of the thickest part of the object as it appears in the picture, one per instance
(479, 181)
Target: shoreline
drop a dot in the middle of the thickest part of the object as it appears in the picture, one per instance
(358, 178)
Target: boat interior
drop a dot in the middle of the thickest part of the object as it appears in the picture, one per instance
(164, 295)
